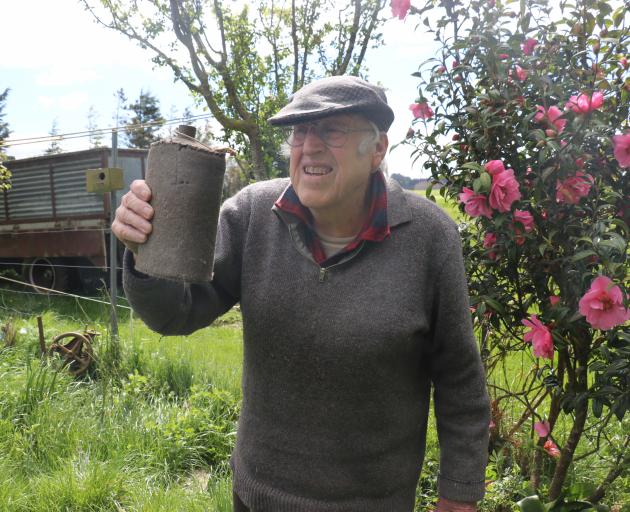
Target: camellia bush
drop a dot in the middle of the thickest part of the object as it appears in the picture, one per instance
(523, 120)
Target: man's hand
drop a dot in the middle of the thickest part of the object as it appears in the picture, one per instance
(445, 505)
(132, 223)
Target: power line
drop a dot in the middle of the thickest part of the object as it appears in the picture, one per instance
(99, 131)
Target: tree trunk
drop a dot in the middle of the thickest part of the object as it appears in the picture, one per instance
(258, 161)
(580, 385)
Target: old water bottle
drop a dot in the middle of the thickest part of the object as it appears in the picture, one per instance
(186, 181)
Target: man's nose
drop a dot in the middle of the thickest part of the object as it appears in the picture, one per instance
(313, 141)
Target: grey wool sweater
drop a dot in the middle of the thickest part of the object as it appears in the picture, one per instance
(339, 363)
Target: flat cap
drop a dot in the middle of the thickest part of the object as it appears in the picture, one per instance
(336, 95)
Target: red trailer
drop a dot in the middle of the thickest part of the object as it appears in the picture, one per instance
(52, 230)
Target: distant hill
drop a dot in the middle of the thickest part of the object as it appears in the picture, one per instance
(414, 183)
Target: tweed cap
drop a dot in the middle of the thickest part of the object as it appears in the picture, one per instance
(336, 95)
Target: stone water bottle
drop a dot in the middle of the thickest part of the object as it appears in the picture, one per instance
(186, 181)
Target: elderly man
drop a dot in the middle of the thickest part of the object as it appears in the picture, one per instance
(354, 306)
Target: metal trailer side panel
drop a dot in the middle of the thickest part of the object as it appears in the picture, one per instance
(71, 196)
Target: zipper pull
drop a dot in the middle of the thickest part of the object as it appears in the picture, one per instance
(322, 275)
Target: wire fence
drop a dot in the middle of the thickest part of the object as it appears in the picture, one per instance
(55, 292)
(51, 264)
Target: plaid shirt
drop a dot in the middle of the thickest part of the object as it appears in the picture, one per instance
(375, 229)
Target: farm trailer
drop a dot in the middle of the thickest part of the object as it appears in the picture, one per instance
(54, 232)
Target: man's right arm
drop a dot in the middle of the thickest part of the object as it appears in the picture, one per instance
(172, 307)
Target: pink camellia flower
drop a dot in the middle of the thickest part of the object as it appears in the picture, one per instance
(572, 189)
(440, 70)
(521, 74)
(494, 167)
(503, 56)
(624, 63)
(421, 110)
(554, 299)
(551, 448)
(602, 304)
(621, 147)
(504, 191)
(475, 205)
(492, 424)
(400, 8)
(489, 240)
(583, 103)
(542, 428)
(552, 116)
(539, 336)
(529, 45)
(526, 219)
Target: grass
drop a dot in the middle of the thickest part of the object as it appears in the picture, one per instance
(153, 427)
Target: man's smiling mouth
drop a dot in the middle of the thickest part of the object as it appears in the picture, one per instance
(316, 170)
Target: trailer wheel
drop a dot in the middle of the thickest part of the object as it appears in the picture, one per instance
(47, 273)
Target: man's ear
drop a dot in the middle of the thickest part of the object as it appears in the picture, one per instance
(380, 150)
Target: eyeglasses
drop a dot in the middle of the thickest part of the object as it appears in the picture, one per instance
(332, 135)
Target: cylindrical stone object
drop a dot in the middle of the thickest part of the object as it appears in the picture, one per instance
(186, 181)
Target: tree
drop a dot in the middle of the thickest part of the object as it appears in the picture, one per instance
(121, 100)
(95, 137)
(5, 174)
(243, 66)
(145, 122)
(525, 116)
(54, 148)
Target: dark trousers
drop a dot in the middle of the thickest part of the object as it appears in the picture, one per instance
(239, 506)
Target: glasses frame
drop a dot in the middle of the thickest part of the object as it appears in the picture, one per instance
(316, 128)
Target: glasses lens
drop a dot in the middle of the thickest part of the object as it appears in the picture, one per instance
(287, 134)
(333, 136)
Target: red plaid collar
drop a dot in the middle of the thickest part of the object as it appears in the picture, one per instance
(375, 229)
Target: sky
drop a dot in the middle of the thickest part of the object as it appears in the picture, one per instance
(64, 63)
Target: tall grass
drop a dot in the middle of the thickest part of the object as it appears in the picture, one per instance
(139, 433)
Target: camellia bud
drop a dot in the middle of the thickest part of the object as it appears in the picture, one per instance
(624, 62)
(410, 133)
(456, 136)
(577, 29)
(596, 47)
(550, 133)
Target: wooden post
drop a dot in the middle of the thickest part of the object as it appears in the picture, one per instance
(42, 342)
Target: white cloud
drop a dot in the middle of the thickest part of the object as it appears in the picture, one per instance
(69, 101)
(64, 76)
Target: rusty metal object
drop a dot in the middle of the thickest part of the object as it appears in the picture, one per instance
(77, 354)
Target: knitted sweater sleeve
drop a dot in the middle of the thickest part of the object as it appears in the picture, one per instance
(178, 308)
(460, 395)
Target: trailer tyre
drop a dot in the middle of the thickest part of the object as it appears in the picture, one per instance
(47, 273)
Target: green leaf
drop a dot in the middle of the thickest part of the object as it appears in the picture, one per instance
(473, 165)
(582, 255)
(531, 504)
